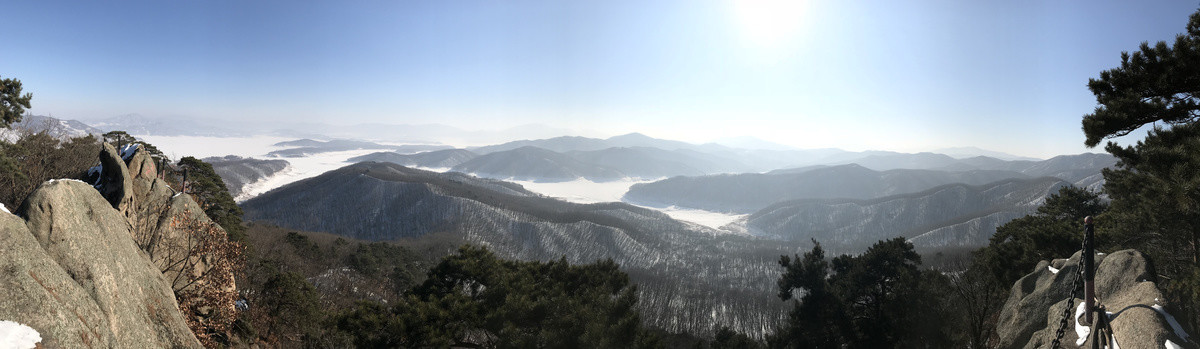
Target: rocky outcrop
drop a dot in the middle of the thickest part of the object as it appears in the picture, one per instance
(115, 183)
(141, 164)
(112, 265)
(71, 272)
(1125, 285)
(165, 226)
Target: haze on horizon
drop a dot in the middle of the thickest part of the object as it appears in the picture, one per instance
(916, 76)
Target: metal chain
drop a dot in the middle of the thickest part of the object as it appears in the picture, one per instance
(1062, 324)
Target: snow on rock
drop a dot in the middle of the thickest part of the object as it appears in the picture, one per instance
(128, 150)
(66, 179)
(1124, 281)
(1081, 331)
(1171, 345)
(4, 209)
(97, 172)
(16, 335)
(1171, 320)
(1052, 270)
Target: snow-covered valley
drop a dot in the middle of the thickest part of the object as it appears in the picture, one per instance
(311, 165)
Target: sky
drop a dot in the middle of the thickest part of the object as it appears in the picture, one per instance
(885, 75)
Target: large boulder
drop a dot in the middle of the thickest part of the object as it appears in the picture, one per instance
(115, 183)
(77, 277)
(40, 294)
(141, 164)
(1124, 284)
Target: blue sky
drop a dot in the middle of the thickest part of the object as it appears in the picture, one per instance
(907, 76)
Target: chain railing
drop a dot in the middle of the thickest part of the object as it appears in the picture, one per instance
(1075, 285)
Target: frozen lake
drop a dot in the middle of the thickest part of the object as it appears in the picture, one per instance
(586, 192)
(298, 168)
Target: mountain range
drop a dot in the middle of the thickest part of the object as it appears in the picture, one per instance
(749, 192)
(948, 215)
(306, 147)
(845, 200)
(58, 128)
(685, 272)
(445, 158)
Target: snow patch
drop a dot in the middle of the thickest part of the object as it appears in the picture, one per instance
(66, 179)
(1080, 330)
(98, 172)
(301, 168)
(17, 335)
(128, 150)
(1083, 331)
(4, 209)
(433, 169)
(1052, 270)
(1171, 320)
(1171, 345)
(710, 219)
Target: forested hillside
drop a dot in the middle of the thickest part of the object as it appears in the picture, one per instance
(947, 215)
(684, 272)
(750, 192)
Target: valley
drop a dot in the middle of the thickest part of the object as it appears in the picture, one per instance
(697, 230)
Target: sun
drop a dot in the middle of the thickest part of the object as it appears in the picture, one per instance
(769, 23)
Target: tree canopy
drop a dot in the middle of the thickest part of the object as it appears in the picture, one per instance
(12, 103)
(209, 190)
(874, 300)
(474, 299)
(1155, 188)
(1154, 84)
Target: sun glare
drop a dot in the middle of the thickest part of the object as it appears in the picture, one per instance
(769, 23)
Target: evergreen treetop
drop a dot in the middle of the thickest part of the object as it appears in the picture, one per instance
(12, 103)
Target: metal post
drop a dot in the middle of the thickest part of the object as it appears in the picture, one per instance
(1089, 268)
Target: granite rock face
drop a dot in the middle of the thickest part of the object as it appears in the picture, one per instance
(163, 224)
(1125, 285)
(98, 266)
(73, 273)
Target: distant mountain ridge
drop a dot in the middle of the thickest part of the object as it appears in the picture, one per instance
(945, 215)
(306, 147)
(431, 159)
(970, 152)
(57, 128)
(536, 164)
(747, 193)
(543, 165)
(141, 125)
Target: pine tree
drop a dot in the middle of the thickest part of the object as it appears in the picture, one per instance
(209, 190)
(1155, 188)
(12, 103)
(879, 299)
